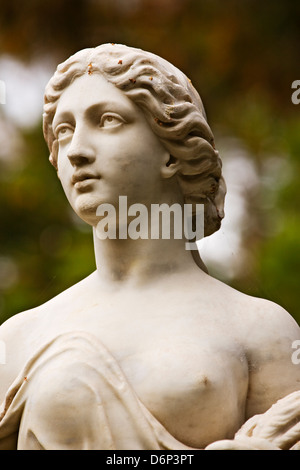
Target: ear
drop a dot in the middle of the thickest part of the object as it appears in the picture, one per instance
(53, 154)
(52, 161)
(170, 167)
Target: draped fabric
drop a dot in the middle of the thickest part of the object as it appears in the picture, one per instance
(72, 395)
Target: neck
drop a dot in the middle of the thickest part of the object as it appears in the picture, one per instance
(140, 261)
(120, 262)
(144, 258)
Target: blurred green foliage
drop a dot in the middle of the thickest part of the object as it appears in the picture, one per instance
(39, 232)
(242, 56)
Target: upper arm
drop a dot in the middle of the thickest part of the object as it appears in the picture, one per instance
(6, 366)
(273, 373)
(13, 346)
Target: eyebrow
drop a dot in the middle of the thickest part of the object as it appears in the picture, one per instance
(102, 106)
(63, 116)
(114, 106)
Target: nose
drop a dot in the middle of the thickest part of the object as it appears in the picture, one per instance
(80, 151)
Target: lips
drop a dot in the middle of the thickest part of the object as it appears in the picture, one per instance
(81, 180)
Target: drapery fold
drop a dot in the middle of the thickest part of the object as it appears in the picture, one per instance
(73, 395)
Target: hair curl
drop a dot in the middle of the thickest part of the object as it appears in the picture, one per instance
(172, 107)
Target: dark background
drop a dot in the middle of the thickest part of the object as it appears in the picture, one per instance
(242, 56)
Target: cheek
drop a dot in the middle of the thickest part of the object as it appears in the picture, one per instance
(63, 163)
(142, 156)
(64, 171)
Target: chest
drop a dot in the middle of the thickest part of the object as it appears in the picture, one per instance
(196, 387)
(189, 373)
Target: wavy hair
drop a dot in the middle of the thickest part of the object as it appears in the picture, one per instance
(172, 107)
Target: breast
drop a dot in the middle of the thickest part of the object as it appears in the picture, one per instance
(197, 390)
(188, 370)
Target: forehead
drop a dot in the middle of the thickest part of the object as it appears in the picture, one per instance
(91, 90)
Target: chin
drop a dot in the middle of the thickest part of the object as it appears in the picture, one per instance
(85, 207)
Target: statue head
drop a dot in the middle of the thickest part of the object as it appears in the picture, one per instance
(172, 108)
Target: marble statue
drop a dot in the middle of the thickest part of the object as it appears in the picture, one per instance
(149, 351)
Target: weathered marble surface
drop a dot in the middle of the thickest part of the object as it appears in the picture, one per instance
(149, 351)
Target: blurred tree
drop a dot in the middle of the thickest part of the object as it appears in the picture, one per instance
(39, 233)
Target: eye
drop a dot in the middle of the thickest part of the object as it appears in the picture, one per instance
(111, 120)
(63, 131)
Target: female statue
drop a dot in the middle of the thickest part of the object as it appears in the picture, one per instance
(149, 351)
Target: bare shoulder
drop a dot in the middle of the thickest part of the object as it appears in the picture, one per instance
(16, 324)
(270, 337)
(25, 332)
(13, 337)
(257, 320)
(17, 329)
(12, 330)
(267, 324)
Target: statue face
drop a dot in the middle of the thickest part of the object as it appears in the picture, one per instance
(106, 148)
